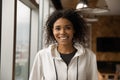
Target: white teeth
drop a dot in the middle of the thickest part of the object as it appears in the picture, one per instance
(63, 38)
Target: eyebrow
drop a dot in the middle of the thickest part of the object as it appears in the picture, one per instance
(64, 25)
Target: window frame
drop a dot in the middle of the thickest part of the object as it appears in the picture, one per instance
(0, 33)
(8, 33)
(8, 37)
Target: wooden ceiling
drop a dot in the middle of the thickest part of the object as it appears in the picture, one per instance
(67, 4)
(113, 5)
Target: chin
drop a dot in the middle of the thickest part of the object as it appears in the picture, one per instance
(64, 43)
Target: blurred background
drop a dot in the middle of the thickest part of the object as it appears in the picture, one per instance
(22, 33)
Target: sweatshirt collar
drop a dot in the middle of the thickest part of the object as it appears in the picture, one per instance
(56, 55)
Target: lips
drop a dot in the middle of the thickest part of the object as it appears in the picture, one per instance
(63, 37)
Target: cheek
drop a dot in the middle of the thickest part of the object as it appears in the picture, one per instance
(54, 34)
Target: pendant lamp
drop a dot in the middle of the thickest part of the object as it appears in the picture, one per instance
(101, 7)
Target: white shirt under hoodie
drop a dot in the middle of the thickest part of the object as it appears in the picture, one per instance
(48, 65)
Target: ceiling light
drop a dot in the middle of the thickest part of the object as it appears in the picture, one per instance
(81, 5)
(101, 7)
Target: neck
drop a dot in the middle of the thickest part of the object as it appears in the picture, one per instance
(66, 49)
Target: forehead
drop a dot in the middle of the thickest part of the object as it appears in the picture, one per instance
(62, 21)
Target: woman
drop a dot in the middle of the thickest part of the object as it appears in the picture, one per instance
(66, 58)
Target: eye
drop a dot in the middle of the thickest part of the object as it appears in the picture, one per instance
(57, 28)
(68, 27)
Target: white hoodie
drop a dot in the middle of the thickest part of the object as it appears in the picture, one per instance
(48, 65)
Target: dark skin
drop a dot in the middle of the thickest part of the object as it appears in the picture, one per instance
(63, 32)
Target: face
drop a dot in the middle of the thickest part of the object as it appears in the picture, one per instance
(63, 31)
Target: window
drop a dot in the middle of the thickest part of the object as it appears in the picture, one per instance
(0, 33)
(22, 42)
(0, 26)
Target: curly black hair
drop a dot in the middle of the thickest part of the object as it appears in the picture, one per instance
(74, 17)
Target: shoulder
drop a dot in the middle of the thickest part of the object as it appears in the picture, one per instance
(90, 55)
(45, 51)
(89, 52)
(84, 50)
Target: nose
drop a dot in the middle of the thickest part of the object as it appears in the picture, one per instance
(62, 31)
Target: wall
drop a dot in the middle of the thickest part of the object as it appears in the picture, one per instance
(107, 26)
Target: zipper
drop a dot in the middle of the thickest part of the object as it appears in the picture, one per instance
(67, 69)
(67, 72)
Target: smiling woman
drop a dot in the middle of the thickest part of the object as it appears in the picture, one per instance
(63, 32)
(66, 57)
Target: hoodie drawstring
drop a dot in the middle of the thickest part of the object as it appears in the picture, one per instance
(56, 69)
